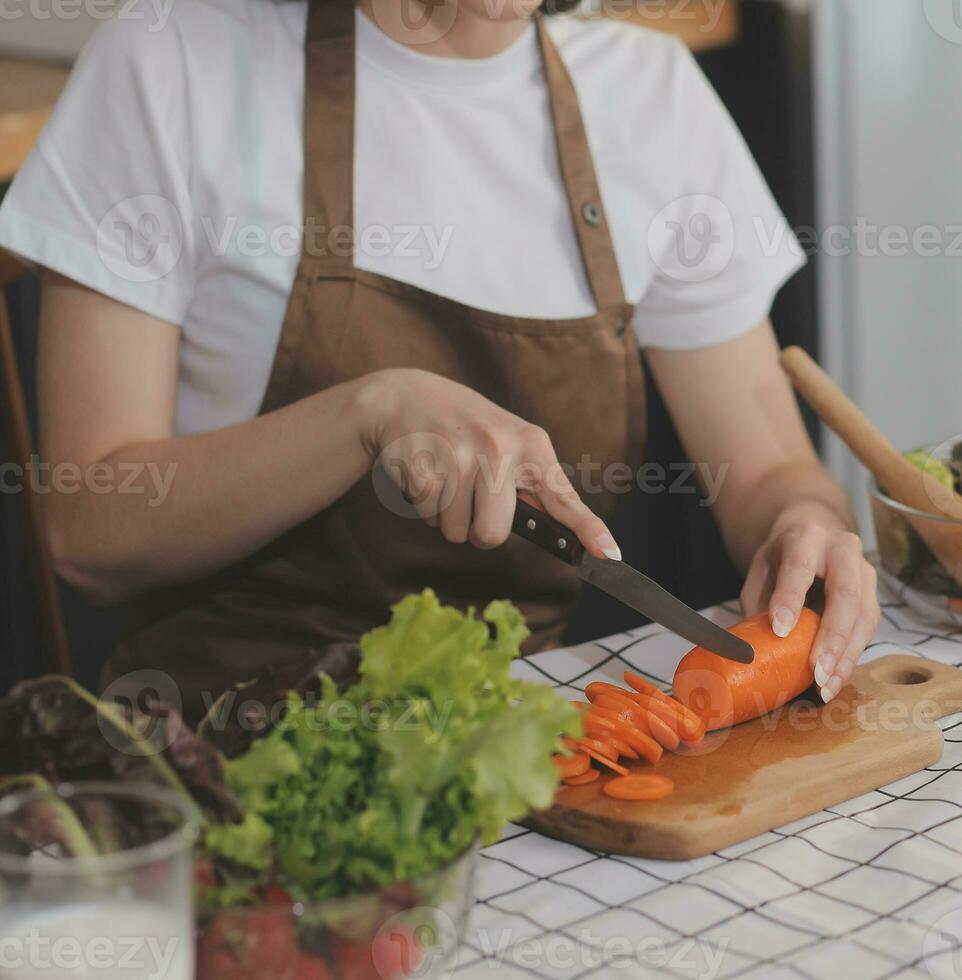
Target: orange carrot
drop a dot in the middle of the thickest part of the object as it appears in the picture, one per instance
(585, 743)
(588, 776)
(598, 689)
(572, 765)
(652, 718)
(605, 728)
(605, 761)
(722, 692)
(635, 718)
(643, 687)
(663, 732)
(692, 728)
(672, 712)
(670, 716)
(645, 746)
(626, 703)
(627, 710)
(600, 726)
(642, 787)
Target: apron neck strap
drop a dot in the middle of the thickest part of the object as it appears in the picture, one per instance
(329, 93)
(580, 179)
(329, 100)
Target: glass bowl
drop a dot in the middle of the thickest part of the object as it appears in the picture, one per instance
(907, 566)
(95, 881)
(404, 931)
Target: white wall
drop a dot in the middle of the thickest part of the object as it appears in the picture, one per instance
(889, 130)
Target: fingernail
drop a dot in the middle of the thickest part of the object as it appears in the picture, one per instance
(608, 545)
(826, 694)
(823, 670)
(782, 622)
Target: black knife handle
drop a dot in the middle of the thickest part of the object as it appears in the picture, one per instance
(539, 528)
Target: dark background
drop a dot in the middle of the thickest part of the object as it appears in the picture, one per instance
(765, 82)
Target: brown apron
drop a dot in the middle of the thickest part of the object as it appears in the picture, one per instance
(335, 576)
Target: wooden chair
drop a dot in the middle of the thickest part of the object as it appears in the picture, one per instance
(16, 427)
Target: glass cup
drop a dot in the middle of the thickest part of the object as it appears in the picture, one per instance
(96, 881)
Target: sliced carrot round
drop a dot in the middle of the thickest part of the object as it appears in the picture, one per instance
(588, 776)
(684, 722)
(663, 733)
(630, 711)
(605, 761)
(645, 746)
(642, 686)
(613, 730)
(596, 744)
(598, 689)
(572, 765)
(640, 787)
(638, 721)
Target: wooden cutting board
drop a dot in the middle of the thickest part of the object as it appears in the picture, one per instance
(765, 773)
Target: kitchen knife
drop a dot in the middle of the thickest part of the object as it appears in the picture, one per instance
(628, 585)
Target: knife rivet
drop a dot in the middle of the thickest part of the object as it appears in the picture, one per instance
(562, 544)
(531, 524)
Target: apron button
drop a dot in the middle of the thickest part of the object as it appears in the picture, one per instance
(591, 213)
(621, 326)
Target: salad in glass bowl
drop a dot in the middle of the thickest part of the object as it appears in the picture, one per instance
(341, 818)
(907, 565)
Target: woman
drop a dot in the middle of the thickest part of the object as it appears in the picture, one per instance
(531, 197)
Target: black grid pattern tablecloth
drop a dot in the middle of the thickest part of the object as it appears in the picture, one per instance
(870, 888)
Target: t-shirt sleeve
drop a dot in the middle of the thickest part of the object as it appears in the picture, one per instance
(104, 196)
(721, 246)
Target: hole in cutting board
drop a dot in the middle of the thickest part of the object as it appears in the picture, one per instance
(905, 675)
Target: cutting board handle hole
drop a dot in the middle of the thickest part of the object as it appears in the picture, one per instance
(905, 675)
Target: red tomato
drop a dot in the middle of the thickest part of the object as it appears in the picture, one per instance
(247, 945)
(392, 955)
(310, 967)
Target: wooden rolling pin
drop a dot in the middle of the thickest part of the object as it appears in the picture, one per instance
(899, 478)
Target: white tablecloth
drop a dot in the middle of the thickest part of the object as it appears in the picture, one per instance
(869, 888)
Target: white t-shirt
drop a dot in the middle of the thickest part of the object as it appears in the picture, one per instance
(170, 179)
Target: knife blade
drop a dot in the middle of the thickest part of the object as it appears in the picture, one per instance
(628, 585)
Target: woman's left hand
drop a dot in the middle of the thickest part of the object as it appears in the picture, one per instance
(805, 542)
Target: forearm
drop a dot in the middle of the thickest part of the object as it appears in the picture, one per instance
(180, 508)
(793, 491)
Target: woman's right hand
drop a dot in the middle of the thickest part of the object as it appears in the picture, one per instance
(461, 460)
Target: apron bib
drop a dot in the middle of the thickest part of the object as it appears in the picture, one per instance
(335, 576)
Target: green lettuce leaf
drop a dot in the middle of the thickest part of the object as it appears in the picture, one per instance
(436, 746)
